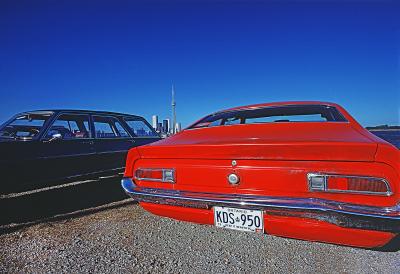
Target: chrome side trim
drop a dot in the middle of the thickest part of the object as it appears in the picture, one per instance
(113, 151)
(339, 213)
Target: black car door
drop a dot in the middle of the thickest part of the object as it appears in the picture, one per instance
(112, 142)
(20, 149)
(68, 147)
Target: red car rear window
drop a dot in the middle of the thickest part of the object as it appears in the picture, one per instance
(289, 113)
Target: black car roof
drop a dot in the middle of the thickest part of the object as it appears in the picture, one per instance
(81, 111)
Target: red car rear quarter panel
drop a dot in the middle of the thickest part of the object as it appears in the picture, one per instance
(390, 155)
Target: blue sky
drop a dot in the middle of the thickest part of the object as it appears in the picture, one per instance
(124, 56)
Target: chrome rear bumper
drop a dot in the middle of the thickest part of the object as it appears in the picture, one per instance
(342, 214)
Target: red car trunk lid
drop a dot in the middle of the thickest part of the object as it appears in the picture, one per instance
(327, 141)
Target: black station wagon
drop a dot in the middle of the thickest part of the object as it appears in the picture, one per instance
(49, 147)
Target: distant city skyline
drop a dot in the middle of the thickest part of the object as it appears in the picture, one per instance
(166, 127)
(124, 55)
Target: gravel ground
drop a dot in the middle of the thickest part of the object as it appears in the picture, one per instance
(128, 239)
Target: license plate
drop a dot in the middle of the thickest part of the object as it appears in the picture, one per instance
(239, 219)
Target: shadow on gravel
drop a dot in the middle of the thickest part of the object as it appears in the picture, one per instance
(60, 203)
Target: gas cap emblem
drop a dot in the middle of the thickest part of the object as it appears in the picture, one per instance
(233, 179)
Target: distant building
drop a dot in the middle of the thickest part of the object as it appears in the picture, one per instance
(173, 131)
(165, 126)
(159, 127)
(170, 128)
(155, 121)
(178, 127)
(141, 132)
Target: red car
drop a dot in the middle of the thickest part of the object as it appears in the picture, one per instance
(304, 170)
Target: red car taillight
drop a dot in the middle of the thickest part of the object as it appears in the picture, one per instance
(166, 175)
(348, 184)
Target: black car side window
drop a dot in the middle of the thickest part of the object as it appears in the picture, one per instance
(70, 126)
(108, 127)
(140, 128)
(121, 130)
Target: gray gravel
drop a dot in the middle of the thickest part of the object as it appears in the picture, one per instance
(128, 239)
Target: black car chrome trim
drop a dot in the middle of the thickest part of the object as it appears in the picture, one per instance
(338, 213)
(112, 151)
(66, 155)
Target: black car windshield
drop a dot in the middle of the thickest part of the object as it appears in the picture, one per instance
(288, 113)
(25, 126)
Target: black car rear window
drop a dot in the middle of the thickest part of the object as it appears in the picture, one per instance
(289, 113)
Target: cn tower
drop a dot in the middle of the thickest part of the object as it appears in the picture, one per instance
(173, 104)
